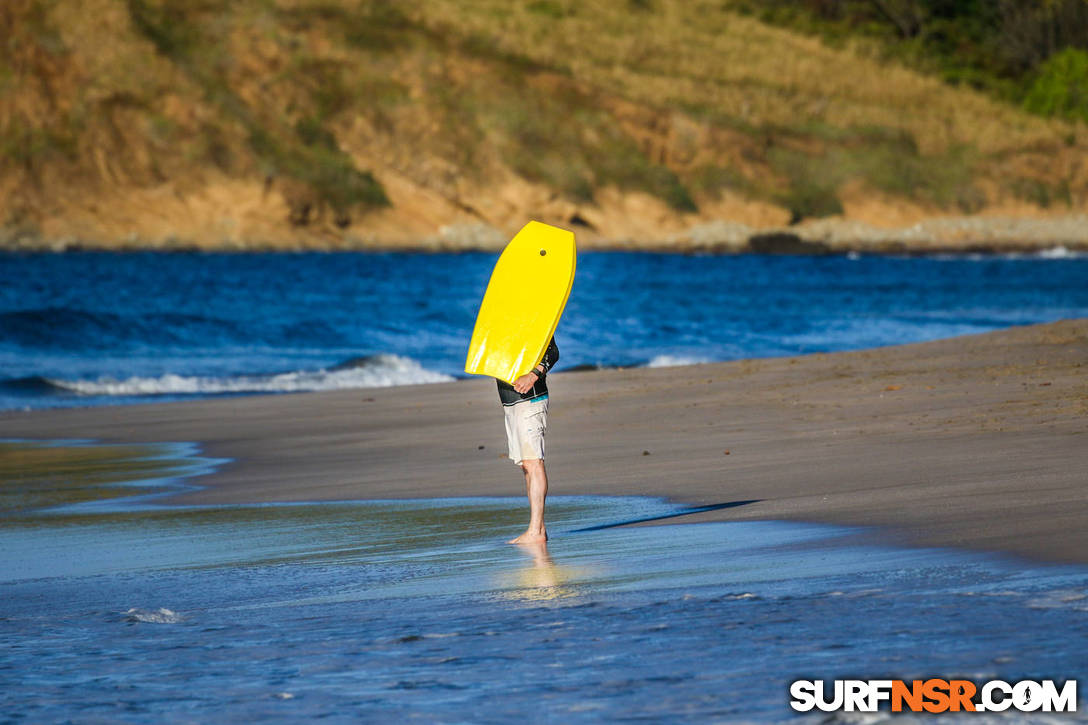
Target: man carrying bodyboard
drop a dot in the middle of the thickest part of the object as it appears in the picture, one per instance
(513, 343)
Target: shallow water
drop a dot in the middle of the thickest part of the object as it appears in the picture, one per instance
(124, 610)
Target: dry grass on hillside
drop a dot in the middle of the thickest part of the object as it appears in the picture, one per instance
(695, 56)
(306, 116)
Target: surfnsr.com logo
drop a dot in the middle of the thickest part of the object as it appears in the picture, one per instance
(934, 695)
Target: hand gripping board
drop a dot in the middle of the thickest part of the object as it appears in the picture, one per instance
(523, 302)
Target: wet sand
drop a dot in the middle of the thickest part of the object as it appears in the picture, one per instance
(977, 442)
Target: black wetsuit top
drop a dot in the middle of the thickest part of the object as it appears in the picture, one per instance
(509, 396)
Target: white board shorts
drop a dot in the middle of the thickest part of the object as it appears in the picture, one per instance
(526, 423)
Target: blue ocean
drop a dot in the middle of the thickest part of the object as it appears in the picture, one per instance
(101, 329)
(118, 607)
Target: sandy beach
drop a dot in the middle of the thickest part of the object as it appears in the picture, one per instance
(976, 442)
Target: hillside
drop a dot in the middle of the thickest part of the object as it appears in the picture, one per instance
(337, 123)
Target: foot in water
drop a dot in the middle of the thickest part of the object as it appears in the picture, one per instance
(531, 537)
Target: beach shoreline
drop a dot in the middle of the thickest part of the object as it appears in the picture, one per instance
(977, 234)
(977, 442)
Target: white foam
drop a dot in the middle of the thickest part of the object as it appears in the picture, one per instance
(1058, 252)
(377, 372)
(1060, 599)
(162, 615)
(671, 361)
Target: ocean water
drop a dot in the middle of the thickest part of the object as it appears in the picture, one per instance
(94, 329)
(119, 608)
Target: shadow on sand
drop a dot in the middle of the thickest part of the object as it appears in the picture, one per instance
(682, 512)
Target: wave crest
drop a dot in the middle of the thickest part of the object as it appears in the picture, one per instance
(162, 615)
(670, 361)
(376, 371)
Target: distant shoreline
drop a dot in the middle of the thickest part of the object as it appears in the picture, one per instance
(976, 442)
(938, 235)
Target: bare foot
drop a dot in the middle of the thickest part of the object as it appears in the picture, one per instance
(531, 537)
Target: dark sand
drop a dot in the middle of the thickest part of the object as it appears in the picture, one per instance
(978, 442)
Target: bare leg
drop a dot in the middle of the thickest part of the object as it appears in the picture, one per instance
(536, 487)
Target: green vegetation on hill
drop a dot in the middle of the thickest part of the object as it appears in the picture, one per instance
(1060, 86)
(1028, 52)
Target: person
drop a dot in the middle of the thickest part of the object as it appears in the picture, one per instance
(525, 405)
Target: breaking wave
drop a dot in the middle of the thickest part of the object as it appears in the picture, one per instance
(1060, 252)
(375, 371)
(670, 361)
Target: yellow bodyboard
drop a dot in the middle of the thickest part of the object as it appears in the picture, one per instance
(523, 302)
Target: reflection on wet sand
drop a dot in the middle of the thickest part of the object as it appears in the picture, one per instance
(542, 579)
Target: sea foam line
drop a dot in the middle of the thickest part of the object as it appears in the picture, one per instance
(374, 372)
(669, 361)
